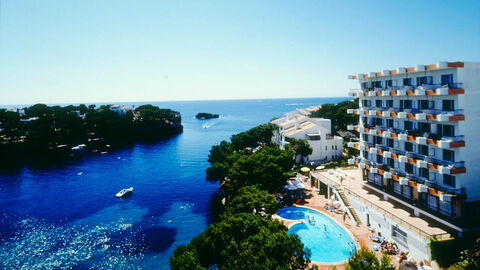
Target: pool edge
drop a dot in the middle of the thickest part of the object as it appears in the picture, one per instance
(295, 222)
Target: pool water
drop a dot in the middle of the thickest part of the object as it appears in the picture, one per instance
(328, 241)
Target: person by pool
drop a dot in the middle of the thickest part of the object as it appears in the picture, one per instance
(325, 227)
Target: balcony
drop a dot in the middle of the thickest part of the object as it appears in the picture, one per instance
(414, 155)
(401, 92)
(402, 115)
(422, 164)
(415, 178)
(402, 159)
(397, 151)
(402, 137)
(421, 140)
(420, 116)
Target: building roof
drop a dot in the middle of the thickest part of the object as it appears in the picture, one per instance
(346, 134)
(297, 119)
(300, 128)
(401, 70)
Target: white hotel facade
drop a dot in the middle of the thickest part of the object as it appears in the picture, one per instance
(420, 148)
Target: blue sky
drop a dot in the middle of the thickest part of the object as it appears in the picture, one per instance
(114, 51)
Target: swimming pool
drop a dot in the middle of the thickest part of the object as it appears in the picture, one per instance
(328, 241)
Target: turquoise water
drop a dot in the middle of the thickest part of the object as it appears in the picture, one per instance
(328, 241)
(53, 218)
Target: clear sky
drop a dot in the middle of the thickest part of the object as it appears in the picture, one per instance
(114, 51)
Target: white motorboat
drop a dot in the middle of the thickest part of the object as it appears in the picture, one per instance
(125, 192)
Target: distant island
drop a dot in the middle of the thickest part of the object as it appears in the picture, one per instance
(42, 132)
(204, 115)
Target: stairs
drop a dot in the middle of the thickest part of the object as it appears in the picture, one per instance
(355, 216)
(350, 209)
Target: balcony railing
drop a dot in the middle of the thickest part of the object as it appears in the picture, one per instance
(410, 87)
(415, 155)
(458, 164)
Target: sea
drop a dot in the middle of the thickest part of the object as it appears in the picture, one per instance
(66, 215)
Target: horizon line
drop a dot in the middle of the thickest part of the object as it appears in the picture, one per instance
(178, 100)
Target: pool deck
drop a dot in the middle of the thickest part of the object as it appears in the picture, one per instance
(359, 233)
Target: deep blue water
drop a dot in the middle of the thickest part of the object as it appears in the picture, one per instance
(51, 217)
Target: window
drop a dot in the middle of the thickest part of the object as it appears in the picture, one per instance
(408, 125)
(446, 130)
(432, 202)
(397, 188)
(377, 84)
(390, 142)
(399, 235)
(365, 154)
(388, 83)
(409, 168)
(389, 103)
(447, 79)
(449, 180)
(407, 192)
(366, 103)
(424, 173)
(446, 208)
(424, 127)
(378, 103)
(424, 80)
(389, 123)
(448, 155)
(379, 158)
(391, 162)
(405, 104)
(425, 104)
(448, 105)
(332, 147)
(365, 85)
(409, 147)
(364, 119)
(326, 147)
(335, 147)
(378, 179)
(365, 138)
(407, 81)
(378, 140)
(423, 150)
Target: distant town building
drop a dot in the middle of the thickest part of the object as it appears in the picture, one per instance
(121, 110)
(298, 124)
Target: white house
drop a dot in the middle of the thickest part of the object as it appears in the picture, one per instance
(299, 125)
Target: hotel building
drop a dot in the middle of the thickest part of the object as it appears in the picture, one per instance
(419, 163)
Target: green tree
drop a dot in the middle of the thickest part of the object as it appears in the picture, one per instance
(300, 148)
(269, 167)
(185, 257)
(244, 241)
(253, 137)
(337, 113)
(365, 259)
(249, 198)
